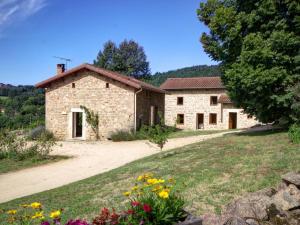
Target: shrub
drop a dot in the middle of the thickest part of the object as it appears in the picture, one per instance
(16, 147)
(39, 131)
(122, 135)
(294, 133)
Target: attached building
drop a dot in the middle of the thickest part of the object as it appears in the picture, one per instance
(202, 103)
(122, 102)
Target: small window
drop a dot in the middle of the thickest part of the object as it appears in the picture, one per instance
(180, 118)
(73, 85)
(213, 118)
(107, 85)
(213, 100)
(179, 100)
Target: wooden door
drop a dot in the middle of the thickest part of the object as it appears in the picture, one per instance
(200, 121)
(232, 120)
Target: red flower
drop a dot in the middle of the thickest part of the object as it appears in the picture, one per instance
(130, 211)
(134, 204)
(147, 208)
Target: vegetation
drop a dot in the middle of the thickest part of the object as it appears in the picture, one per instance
(258, 45)
(21, 107)
(294, 133)
(129, 58)
(194, 71)
(209, 175)
(151, 201)
(92, 119)
(17, 152)
(189, 133)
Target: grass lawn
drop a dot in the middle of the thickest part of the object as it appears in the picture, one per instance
(188, 133)
(209, 175)
(8, 165)
(3, 97)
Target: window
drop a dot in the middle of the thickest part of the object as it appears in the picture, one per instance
(213, 100)
(107, 85)
(179, 100)
(213, 118)
(180, 118)
(73, 85)
(249, 116)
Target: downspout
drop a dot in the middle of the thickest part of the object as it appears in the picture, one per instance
(135, 107)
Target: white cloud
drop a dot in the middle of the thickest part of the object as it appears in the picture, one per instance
(15, 10)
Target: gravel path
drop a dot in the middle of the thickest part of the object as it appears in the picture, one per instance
(89, 158)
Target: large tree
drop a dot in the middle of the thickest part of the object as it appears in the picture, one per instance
(128, 58)
(257, 43)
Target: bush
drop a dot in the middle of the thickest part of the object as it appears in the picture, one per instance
(122, 135)
(16, 147)
(38, 132)
(294, 133)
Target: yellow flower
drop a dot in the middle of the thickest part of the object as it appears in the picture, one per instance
(141, 177)
(36, 205)
(164, 194)
(12, 212)
(127, 193)
(145, 176)
(38, 215)
(55, 214)
(157, 188)
(135, 188)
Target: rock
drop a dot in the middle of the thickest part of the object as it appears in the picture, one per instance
(209, 219)
(254, 205)
(292, 178)
(235, 221)
(252, 222)
(191, 221)
(288, 198)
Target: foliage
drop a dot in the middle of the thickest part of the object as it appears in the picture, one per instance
(159, 133)
(16, 147)
(92, 119)
(128, 58)
(23, 107)
(153, 201)
(294, 133)
(123, 135)
(194, 71)
(38, 132)
(296, 103)
(258, 45)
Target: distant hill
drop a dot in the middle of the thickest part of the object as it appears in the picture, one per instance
(11, 90)
(194, 71)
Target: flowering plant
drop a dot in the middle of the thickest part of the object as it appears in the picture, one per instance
(153, 201)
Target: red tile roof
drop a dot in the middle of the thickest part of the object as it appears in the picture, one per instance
(224, 99)
(192, 83)
(130, 81)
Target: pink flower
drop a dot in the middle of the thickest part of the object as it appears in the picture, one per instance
(147, 208)
(134, 204)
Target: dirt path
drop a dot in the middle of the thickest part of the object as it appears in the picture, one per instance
(89, 158)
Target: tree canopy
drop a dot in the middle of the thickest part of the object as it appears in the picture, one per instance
(257, 43)
(128, 58)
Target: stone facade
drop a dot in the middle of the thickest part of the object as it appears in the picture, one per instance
(112, 100)
(199, 102)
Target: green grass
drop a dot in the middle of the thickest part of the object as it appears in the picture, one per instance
(209, 175)
(3, 97)
(188, 133)
(9, 165)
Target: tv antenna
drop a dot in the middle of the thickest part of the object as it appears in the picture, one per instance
(64, 59)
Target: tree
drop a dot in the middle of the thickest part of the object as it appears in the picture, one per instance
(257, 43)
(129, 58)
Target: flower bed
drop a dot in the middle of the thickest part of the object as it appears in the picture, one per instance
(151, 200)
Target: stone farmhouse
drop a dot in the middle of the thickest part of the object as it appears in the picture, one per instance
(202, 103)
(122, 102)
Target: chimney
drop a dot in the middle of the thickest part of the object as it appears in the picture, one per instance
(60, 68)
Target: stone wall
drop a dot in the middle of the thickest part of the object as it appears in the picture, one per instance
(198, 101)
(115, 104)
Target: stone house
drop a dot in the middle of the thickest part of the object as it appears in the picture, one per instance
(122, 102)
(202, 103)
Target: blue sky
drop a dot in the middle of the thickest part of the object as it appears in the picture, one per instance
(33, 31)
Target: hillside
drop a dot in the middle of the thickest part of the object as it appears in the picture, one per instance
(194, 71)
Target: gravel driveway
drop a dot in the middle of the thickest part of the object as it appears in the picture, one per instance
(89, 158)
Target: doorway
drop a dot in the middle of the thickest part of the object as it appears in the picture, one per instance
(77, 118)
(200, 121)
(232, 120)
